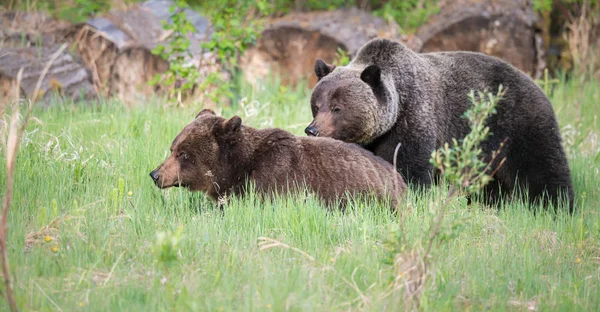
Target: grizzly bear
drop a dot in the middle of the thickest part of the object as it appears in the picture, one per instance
(219, 156)
(389, 94)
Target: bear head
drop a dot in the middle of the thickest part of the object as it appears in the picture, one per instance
(352, 103)
(199, 152)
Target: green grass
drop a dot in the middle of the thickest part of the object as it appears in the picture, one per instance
(78, 164)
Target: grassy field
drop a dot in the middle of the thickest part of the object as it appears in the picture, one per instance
(89, 230)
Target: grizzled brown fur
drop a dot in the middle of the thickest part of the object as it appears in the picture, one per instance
(218, 156)
(389, 94)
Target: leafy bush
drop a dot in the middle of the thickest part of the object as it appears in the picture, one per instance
(176, 51)
(235, 27)
(409, 14)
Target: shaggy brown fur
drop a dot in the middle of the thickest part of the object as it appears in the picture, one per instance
(218, 156)
(389, 94)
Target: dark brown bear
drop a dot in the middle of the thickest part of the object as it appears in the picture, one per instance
(219, 157)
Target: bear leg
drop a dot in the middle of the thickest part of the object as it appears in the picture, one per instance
(551, 192)
(546, 180)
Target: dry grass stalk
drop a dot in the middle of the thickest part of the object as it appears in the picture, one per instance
(11, 147)
(547, 240)
(47, 297)
(578, 38)
(268, 243)
(93, 55)
(411, 272)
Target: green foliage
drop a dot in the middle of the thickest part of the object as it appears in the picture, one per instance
(543, 5)
(280, 6)
(166, 246)
(546, 83)
(83, 9)
(235, 27)
(409, 14)
(547, 5)
(181, 75)
(461, 163)
(75, 11)
(342, 58)
(309, 5)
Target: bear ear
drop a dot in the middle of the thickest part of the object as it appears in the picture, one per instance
(232, 125)
(371, 76)
(322, 69)
(205, 111)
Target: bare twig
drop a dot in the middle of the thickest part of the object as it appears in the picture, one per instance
(12, 146)
(492, 160)
(454, 191)
(438, 221)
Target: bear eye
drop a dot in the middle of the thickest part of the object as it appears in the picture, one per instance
(335, 110)
(182, 155)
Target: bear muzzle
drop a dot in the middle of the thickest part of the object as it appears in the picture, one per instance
(311, 131)
(162, 181)
(154, 175)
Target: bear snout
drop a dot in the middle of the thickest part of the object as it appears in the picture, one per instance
(154, 175)
(167, 174)
(311, 131)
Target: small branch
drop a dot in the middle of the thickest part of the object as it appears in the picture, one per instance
(498, 168)
(563, 10)
(11, 148)
(492, 160)
(438, 222)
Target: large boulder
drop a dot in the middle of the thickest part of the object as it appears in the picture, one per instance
(289, 45)
(117, 47)
(503, 28)
(28, 41)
